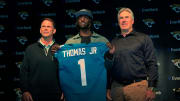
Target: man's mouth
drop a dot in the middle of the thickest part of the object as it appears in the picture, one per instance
(46, 32)
(83, 23)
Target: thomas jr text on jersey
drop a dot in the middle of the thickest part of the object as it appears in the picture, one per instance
(79, 51)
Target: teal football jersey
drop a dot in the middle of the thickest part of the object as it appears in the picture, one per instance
(82, 72)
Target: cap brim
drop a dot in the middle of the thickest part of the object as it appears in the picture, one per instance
(81, 13)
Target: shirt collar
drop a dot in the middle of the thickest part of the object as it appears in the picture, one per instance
(78, 35)
(130, 34)
(48, 46)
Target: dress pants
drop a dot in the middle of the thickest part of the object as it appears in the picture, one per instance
(132, 92)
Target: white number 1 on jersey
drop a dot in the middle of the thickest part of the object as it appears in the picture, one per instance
(81, 62)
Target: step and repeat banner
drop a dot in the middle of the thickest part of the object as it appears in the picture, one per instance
(20, 24)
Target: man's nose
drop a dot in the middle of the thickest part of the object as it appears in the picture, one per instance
(124, 21)
(83, 18)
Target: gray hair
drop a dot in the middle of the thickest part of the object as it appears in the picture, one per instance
(126, 9)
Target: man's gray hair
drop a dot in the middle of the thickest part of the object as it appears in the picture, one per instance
(126, 9)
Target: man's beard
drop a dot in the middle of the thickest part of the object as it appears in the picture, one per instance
(85, 27)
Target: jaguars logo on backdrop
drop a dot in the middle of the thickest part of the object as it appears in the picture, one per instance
(175, 8)
(23, 15)
(19, 64)
(71, 13)
(176, 93)
(97, 24)
(96, 1)
(176, 62)
(176, 34)
(22, 40)
(2, 4)
(149, 22)
(118, 8)
(48, 2)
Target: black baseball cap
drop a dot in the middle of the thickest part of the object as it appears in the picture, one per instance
(84, 12)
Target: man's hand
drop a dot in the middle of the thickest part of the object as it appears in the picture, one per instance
(108, 95)
(111, 47)
(27, 96)
(150, 95)
(62, 97)
(54, 48)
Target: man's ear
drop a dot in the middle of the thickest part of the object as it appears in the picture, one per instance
(54, 31)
